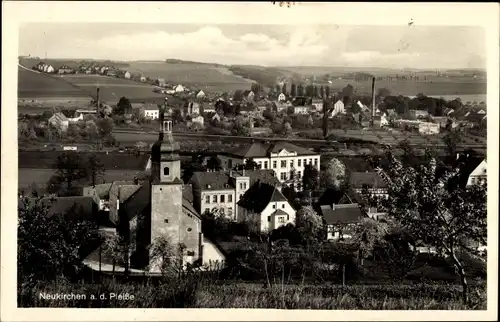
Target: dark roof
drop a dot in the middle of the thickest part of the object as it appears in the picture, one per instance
(61, 205)
(475, 117)
(342, 214)
(259, 196)
(262, 150)
(220, 180)
(187, 192)
(371, 179)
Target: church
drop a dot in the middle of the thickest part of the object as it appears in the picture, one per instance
(161, 208)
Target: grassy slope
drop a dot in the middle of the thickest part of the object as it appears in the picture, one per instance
(39, 85)
(199, 75)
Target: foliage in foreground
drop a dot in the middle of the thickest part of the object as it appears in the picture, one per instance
(192, 293)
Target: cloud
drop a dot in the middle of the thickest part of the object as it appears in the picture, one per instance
(207, 44)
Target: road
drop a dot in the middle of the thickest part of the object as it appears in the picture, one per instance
(126, 136)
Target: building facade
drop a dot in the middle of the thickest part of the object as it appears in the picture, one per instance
(283, 158)
(478, 175)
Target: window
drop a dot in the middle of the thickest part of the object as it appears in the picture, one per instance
(222, 198)
(310, 161)
(207, 199)
(269, 218)
(259, 164)
(283, 164)
(166, 171)
(281, 220)
(189, 229)
(275, 164)
(299, 162)
(316, 162)
(214, 198)
(274, 206)
(283, 175)
(244, 185)
(299, 174)
(229, 198)
(190, 253)
(291, 164)
(241, 185)
(165, 221)
(305, 162)
(265, 164)
(207, 211)
(283, 206)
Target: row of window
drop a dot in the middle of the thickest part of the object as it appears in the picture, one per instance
(282, 206)
(283, 163)
(220, 198)
(284, 175)
(243, 185)
(222, 211)
(281, 219)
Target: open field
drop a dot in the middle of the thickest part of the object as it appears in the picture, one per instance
(72, 63)
(41, 176)
(111, 88)
(203, 76)
(38, 86)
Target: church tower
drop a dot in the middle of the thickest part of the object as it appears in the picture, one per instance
(166, 185)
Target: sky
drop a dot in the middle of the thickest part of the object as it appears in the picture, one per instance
(414, 46)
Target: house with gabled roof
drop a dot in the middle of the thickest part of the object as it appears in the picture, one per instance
(218, 192)
(282, 157)
(341, 219)
(369, 181)
(268, 205)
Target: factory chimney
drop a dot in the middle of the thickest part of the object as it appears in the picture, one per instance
(373, 100)
(98, 101)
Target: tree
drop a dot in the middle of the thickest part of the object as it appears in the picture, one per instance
(177, 116)
(105, 126)
(310, 178)
(451, 220)
(113, 248)
(91, 130)
(214, 164)
(293, 90)
(238, 95)
(326, 111)
(287, 129)
(316, 93)
(69, 169)
(309, 224)
(451, 141)
(322, 92)
(164, 256)
(49, 246)
(300, 90)
(284, 89)
(348, 91)
(383, 92)
(369, 234)
(409, 152)
(95, 169)
(250, 164)
(335, 173)
(256, 88)
(327, 91)
(123, 106)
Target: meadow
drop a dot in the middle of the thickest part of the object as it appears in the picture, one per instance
(200, 76)
(111, 88)
(28, 176)
(38, 86)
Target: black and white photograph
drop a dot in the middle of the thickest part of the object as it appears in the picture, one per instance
(337, 164)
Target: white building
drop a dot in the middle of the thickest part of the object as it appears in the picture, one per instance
(151, 113)
(281, 97)
(318, 105)
(143, 79)
(218, 192)
(428, 128)
(179, 89)
(338, 108)
(340, 219)
(301, 110)
(127, 75)
(281, 157)
(370, 181)
(197, 119)
(200, 94)
(478, 175)
(266, 206)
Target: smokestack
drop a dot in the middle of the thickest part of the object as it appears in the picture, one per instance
(373, 99)
(98, 100)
